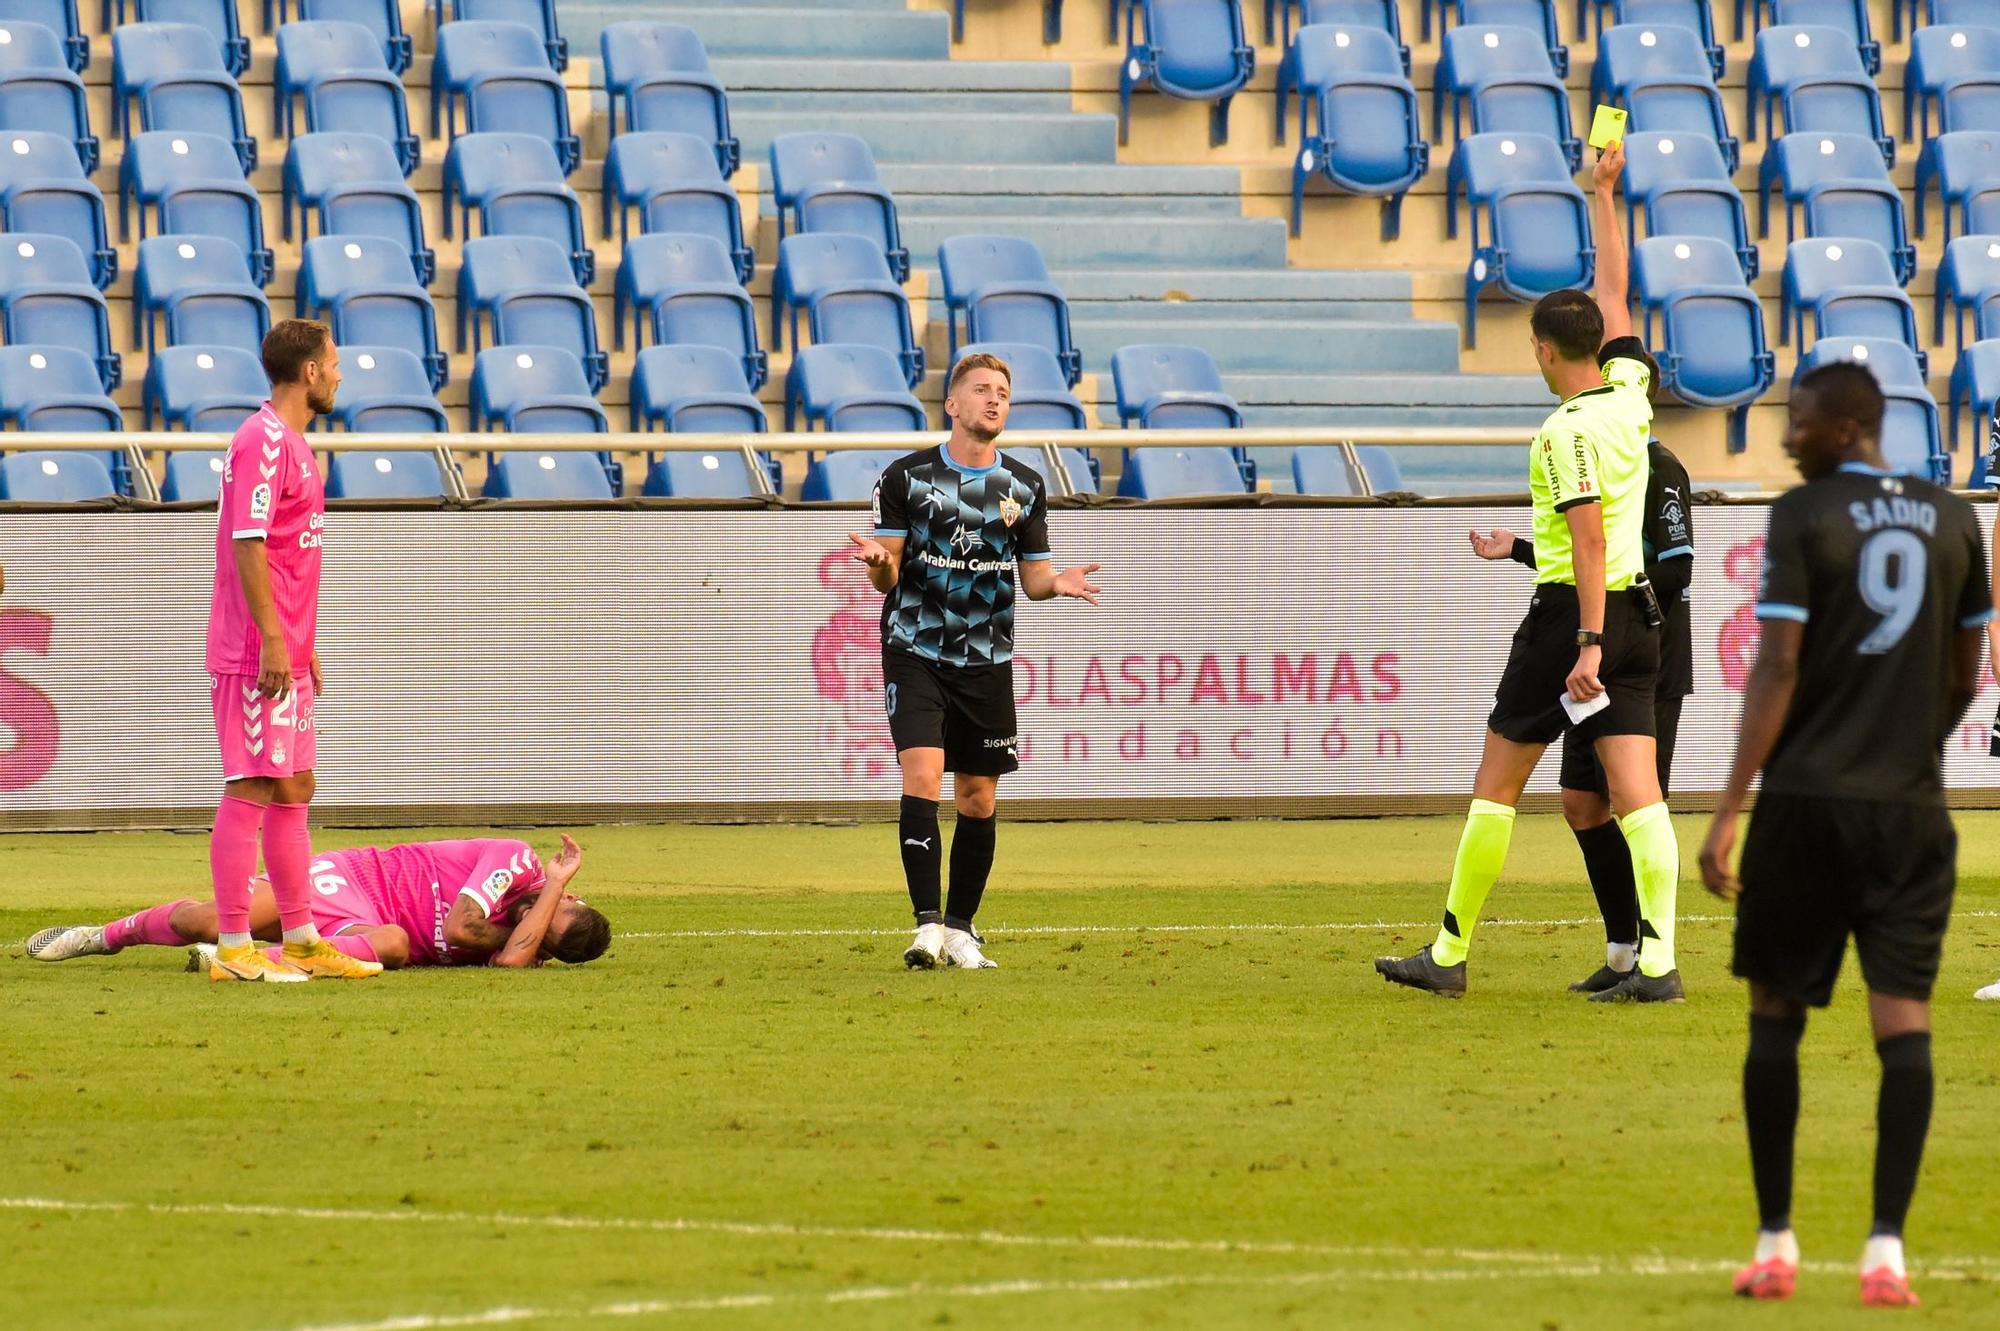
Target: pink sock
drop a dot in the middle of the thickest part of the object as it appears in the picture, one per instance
(232, 858)
(352, 944)
(149, 928)
(288, 861)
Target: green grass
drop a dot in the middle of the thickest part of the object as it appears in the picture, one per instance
(737, 1118)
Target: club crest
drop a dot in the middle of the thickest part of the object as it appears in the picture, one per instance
(1010, 510)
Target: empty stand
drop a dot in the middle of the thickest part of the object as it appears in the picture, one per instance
(1686, 189)
(200, 289)
(828, 182)
(1965, 169)
(54, 478)
(396, 474)
(1530, 223)
(1710, 344)
(684, 289)
(364, 287)
(694, 389)
(515, 185)
(1815, 77)
(1849, 288)
(39, 90)
(499, 74)
(1358, 124)
(1838, 183)
(204, 388)
(47, 298)
(842, 284)
(172, 76)
(1661, 75)
(1500, 79)
(998, 290)
(339, 73)
(189, 184)
(524, 289)
(673, 181)
(352, 185)
(1191, 49)
(383, 18)
(53, 388)
(534, 390)
(386, 390)
(836, 386)
(43, 188)
(658, 74)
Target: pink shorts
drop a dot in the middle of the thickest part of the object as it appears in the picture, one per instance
(338, 903)
(269, 737)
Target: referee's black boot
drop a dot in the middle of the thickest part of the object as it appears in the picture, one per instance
(1601, 979)
(1420, 972)
(1641, 988)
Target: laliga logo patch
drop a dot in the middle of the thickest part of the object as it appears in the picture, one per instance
(1010, 510)
(499, 883)
(260, 502)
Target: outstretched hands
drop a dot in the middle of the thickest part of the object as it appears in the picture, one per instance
(1495, 544)
(870, 551)
(1076, 582)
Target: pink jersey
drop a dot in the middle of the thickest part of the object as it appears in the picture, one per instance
(270, 490)
(415, 886)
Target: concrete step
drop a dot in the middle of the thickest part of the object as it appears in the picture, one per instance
(1292, 346)
(1228, 284)
(1173, 316)
(1101, 241)
(748, 73)
(1055, 138)
(871, 33)
(925, 104)
(1002, 181)
(1002, 211)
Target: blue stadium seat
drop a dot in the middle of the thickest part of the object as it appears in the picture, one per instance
(1191, 49)
(516, 185)
(1686, 189)
(206, 389)
(354, 186)
(1323, 470)
(685, 289)
(1661, 76)
(394, 474)
(1912, 433)
(673, 181)
(525, 389)
(43, 188)
(59, 17)
(1357, 118)
(54, 388)
(217, 17)
(1165, 387)
(524, 286)
(546, 476)
(693, 389)
(500, 72)
(710, 475)
(1965, 167)
(658, 73)
(1179, 473)
(175, 75)
(363, 286)
(828, 182)
(1535, 16)
(1839, 183)
(1960, 12)
(1968, 278)
(1975, 381)
(386, 390)
(1384, 15)
(383, 18)
(54, 478)
(837, 386)
(1038, 392)
(201, 287)
(1890, 362)
(1694, 15)
(1815, 75)
(1952, 64)
(1535, 236)
(846, 477)
(1711, 347)
(1849, 287)
(189, 184)
(537, 14)
(192, 476)
(1503, 74)
(999, 290)
(1085, 476)
(39, 91)
(1847, 17)
(843, 285)
(47, 298)
(341, 75)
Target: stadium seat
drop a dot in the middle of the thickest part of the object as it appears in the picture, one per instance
(1847, 17)
(1815, 75)
(217, 17)
(1968, 278)
(1534, 16)
(341, 75)
(1952, 64)
(828, 182)
(189, 184)
(173, 73)
(685, 289)
(723, 474)
(386, 390)
(537, 14)
(836, 386)
(659, 74)
(395, 474)
(354, 186)
(1975, 381)
(846, 477)
(1963, 13)
(1686, 189)
(999, 290)
(383, 18)
(1661, 75)
(1191, 49)
(59, 17)
(1965, 167)
(201, 287)
(546, 476)
(526, 389)
(54, 478)
(1384, 15)
(1849, 287)
(1163, 387)
(1694, 15)
(1912, 436)
(43, 188)
(1323, 470)
(524, 286)
(1178, 473)
(843, 285)
(1378, 464)
(1503, 76)
(1535, 236)
(1085, 477)
(516, 185)
(53, 388)
(1839, 183)
(673, 180)
(1890, 362)
(192, 476)
(693, 389)
(205, 389)
(363, 286)
(47, 298)
(39, 91)
(1711, 349)
(1038, 390)
(1357, 118)
(501, 73)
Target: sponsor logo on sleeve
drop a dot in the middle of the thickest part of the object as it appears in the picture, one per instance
(497, 884)
(260, 503)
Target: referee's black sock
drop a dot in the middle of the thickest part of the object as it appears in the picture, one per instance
(1771, 1111)
(1902, 1120)
(971, 862)
(923, 857)
(1608, 861)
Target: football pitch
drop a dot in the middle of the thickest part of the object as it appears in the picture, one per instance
(1185, 1100)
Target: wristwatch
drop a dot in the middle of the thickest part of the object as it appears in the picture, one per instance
(1585, 638)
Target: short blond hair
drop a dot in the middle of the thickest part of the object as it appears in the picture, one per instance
(978, 361)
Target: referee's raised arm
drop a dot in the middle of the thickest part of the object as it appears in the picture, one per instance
(1608, 234)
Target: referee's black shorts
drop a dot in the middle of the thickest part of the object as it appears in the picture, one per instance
(1527, 707)
(1816, 870)
(968, 711)
(1582, 771)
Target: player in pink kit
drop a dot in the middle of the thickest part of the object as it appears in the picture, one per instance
(263, 669)
(437, 903)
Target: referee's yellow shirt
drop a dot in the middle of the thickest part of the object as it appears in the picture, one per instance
(1592, 449)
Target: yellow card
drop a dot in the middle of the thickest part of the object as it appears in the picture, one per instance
(1607, 127)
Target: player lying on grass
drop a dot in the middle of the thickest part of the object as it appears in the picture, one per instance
(436, 903)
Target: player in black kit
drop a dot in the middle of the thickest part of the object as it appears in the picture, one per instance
(1874, 605)
(952, 525)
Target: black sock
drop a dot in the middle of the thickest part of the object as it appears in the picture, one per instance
(1902, 1120)
(1771, 1110)
(971, 861)
(1608, 860)
(923, 857)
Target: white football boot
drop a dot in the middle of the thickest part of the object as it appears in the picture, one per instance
(68, 940)
(926, 950)
(961, 949)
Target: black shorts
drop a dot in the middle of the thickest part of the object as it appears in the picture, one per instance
(1582, 771)
(968, 711)
(1816, 870)
(1527, 707)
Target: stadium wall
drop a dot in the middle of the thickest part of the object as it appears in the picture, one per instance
(577, 666)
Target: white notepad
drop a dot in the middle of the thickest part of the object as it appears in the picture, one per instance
(1578, 712)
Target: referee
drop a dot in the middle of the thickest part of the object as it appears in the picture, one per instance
(1591, 638)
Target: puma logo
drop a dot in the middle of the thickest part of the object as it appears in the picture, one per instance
(1671, 490)
(925, 844)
